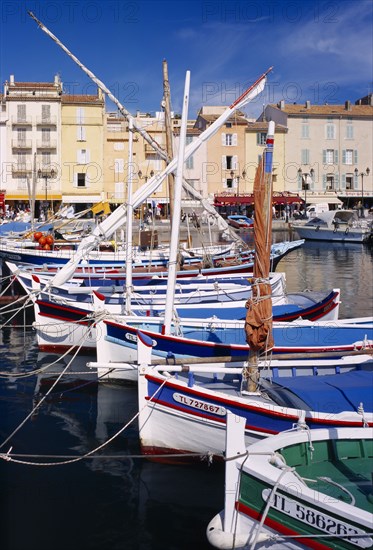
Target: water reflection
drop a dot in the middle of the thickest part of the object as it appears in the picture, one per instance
(322, 265)
(120, 501)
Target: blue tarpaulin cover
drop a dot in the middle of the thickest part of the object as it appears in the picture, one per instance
(333, 393)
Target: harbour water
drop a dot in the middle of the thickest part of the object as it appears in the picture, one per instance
(119, 500)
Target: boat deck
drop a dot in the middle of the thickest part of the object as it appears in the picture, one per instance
(340, 469)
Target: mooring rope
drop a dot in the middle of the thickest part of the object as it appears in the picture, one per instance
(9, 458)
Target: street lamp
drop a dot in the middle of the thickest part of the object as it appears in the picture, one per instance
(145, 177)
(46, 176)
(305, 185)
(238, 182)
(362, 174)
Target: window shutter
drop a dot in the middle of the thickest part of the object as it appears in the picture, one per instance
(80, 115)
(356, 181)
(223, 138)
(343, 181)
(87, 179)
(21, 134)
(234, 139)
(21, 113)
(46, 159)
(87, 156)
(344, 156)
(224, 162)
(119, 190)
(45, 113)
(336, 156)
(80, 133)
(305, 131)
(258, 142)
(235, 162)
(336, 181)
(118, 166)
(355, 156)
(45, 135)
(81, 157)
(324, 181)
(75, 180)
(305, 156)
(324, 156)
(349, 131)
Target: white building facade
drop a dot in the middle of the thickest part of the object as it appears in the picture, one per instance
(30, 158)
(328, 150)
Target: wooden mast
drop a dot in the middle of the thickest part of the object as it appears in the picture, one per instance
(258, 325)
(169, 145)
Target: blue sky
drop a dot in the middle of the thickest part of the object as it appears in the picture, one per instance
(321, 50)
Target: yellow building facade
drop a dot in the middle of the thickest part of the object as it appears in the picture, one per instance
(225, 152)
(82, 149)
(145, 161)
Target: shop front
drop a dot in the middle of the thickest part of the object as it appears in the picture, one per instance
(228, 204)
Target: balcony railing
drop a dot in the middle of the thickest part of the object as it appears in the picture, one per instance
(21, 144)
(150, 150)
(46, 121)
(22, 168)
(85, 121)
(51, 144)
(22, 121)
(46, 172)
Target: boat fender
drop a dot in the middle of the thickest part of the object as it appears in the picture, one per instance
(220, 538)
(347, 230)
(317, 228)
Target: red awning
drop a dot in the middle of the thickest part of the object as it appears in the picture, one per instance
(287, 200)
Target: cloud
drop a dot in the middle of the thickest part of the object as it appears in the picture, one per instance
(334, 45)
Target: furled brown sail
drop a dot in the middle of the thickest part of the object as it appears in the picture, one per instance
(258, 324)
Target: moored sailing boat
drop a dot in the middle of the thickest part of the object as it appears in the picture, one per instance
(183, 408)
(299, 489)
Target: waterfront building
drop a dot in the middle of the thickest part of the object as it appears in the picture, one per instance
(145, 160)
(194, 167)
(225, 151)
(82, 149)
(70, 150)
(328, 147)
(31, 156)
(256, 133)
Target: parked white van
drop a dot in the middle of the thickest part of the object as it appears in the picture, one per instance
(314, 209)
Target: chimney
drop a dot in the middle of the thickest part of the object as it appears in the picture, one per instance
(308, 104)
(11, 80)
(348, 105)
(281, 105)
